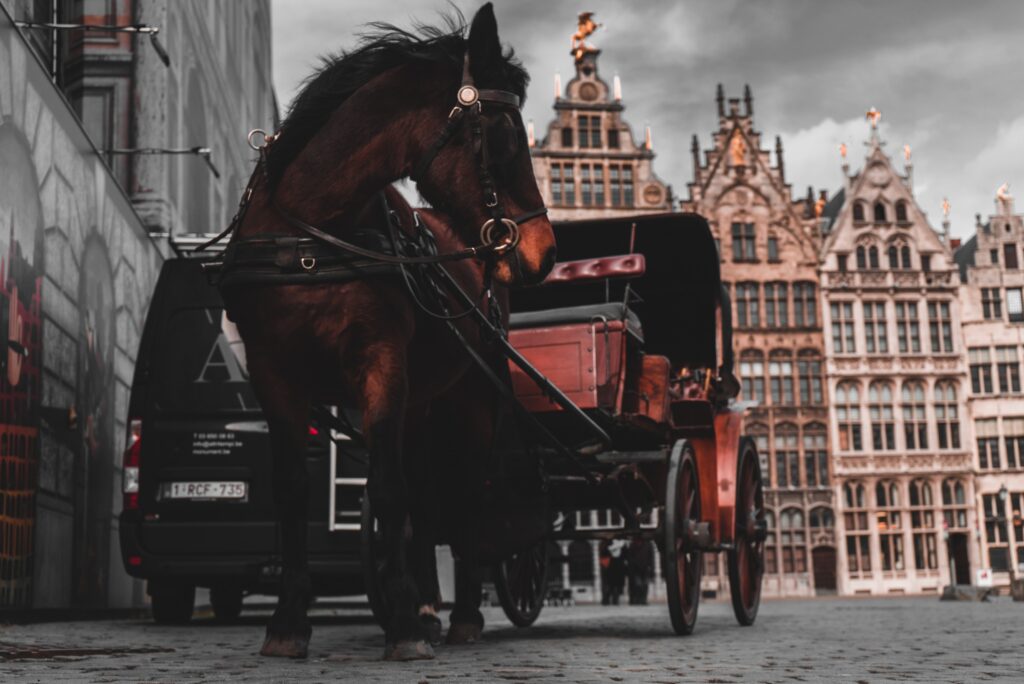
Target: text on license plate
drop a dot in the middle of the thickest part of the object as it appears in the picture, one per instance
(205, 490)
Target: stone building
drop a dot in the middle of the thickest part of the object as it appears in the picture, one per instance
(588, 164)
(84, 224)
(993, 334)
(768, 246)
(897, 387)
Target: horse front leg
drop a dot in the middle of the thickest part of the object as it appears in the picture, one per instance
(425, 517)
(385, 394)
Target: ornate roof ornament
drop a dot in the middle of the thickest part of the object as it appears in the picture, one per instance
(906, 153)
(586, 26)
(842, 151)
(945, 207)
(873, 116)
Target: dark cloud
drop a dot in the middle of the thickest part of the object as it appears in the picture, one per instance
(945, 74)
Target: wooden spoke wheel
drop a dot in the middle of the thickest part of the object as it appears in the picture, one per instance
(746, 560)
(521, 582)
(681, 556)
(372, 545)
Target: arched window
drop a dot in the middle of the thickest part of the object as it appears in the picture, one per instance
(905, 257)
(848, 415)
(858, 536)
(901, 212)
(947, 417)
(862, 258)
(858, 212)
(915, 427)
(787, 457)
(780, 370)
(794, 550)
(894, 258)
(922, 522)
(883, 418)
(752, 373)
(890, 525)
(954, 504)
(822, 518)
(879, 212)
(873, 257)
(815, 455)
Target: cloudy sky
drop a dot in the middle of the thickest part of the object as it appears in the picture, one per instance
(947, 76)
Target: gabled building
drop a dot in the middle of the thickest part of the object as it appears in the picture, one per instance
(993, 333)
(897, 386)
(768, 246)
(589, 164)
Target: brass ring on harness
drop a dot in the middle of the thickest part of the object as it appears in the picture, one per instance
(308, 264)
(500, 243)
(262, 133)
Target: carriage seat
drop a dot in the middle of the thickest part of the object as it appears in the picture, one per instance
(569, 315)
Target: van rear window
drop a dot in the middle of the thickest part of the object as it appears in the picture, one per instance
(200, 365)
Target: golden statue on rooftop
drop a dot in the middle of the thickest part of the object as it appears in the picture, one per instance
(586, 26)
(842, 150)
(738, 150)
(945, 207)
(906, 153)
(873, 116)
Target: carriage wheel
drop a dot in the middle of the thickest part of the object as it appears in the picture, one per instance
(746, 560)
(521, 582)
(681, 556)
(372, 544)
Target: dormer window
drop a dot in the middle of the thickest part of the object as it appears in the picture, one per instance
(858, 212)
(879, 212)
(901, 212)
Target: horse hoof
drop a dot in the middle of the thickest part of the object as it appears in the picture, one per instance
(408, 650)
(434, 628)
(464, 633)
(283, 647)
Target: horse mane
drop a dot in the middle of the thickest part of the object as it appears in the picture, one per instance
(383, 47)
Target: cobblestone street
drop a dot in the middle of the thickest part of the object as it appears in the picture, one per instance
(851, 640)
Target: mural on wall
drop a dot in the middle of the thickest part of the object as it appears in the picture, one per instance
(21, 252)
(94, 416)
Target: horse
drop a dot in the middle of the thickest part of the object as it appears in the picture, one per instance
(440, 106)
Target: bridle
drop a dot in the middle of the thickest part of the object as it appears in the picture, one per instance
(498, 234)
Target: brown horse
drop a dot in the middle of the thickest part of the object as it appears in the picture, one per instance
(443, 108)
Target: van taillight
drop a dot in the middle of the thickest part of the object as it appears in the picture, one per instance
(132, 451)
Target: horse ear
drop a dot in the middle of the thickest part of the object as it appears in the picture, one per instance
(484, 46)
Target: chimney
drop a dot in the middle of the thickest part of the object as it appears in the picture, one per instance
(778, 159)
(954, 243)
(748, 101)
(720, 99)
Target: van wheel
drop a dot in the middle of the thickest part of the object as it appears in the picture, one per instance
(227, 602)
(172, 601)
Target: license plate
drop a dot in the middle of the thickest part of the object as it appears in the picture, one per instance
(208, 491)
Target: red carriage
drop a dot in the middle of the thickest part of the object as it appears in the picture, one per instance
(632, 329)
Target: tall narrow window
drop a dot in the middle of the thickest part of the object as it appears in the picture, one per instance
(598, 172)
(794, 551)
(773, 248)
(954, 504)
(557, 196)
(567, 137)
(890, 525)
(879, 212)
(986, 430)
(1008, 366)
(1010, 255)
(905, 257)
(627, 185)
(995, 532)
(862, 258)
(809, 372)
(586, 190)
(1014, 305)
(805, 305)
(980, 360)
(563, 185)
(915, 426)
(922, 523)
(780, 371)
(894, 258)
(615, 184)
(743, 245)
(858, 534)
(947, 417)
(991, 303)
(883, 419)
(613, 138)
(858, 212)
(875, 338)
(752, 373)
(776, 305)
(815, 456)
(940, 326)
(908, 330)
(589, 128)
(1013, 438)
(901, 212)
(787, 463)
(873, 258)
(842, 327)
(748, 310)
(848, 415)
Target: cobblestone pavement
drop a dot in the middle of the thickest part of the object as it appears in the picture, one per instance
(823, 640)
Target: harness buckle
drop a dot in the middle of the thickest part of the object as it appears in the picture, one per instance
(455, 113)
(308, 264)
(508, 240)
(492, 200)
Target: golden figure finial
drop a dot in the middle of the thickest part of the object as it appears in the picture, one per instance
(906, 153)
(945, 207)
(873, 116)
(586, 26)
(1004, 198)
(819, 206)
(842, 150)
(738, 150)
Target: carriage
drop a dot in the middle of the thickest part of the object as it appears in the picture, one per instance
(622, 368)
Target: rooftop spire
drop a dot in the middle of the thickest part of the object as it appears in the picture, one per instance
(748, 101)
(720, 99)
(778, 159)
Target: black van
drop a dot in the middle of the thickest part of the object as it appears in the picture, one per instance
(198, 506)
